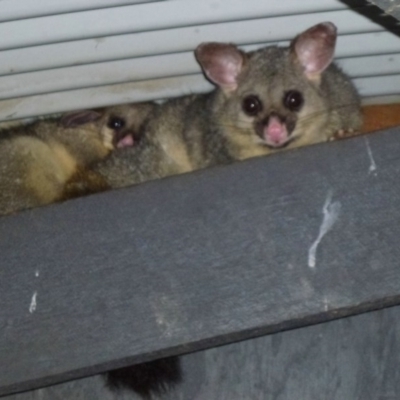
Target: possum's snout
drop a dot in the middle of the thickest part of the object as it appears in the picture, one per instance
(125, 139)
(275, 131)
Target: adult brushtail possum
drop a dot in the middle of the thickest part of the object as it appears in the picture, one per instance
(265, 101)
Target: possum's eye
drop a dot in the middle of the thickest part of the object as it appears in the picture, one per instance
(251, 105)
(116, 123)
(293, 100)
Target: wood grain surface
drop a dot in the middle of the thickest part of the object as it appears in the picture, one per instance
(200, 260)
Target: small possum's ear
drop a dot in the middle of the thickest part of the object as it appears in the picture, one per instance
(314, 49)
(221, 63)
(78, 118)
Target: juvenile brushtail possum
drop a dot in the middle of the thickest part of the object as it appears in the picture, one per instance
(125, 122)
(37, 160)
(265, 101)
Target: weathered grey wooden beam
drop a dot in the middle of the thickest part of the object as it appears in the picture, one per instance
(350, 358)
(203, 259)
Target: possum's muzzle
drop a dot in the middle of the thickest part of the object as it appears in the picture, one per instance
(282, 146)
(275, 131)
(125, 139)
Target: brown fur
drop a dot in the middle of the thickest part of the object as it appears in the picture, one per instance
(202, 130)
(47, 160)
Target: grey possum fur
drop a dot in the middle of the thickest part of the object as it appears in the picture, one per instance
(265, 101)
(125, 122)
(38, 159)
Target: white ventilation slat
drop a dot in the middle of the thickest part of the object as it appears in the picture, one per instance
(143, 17)
(12, 9)
(119, 51)
(379, 86)
(59, 79)
(174, 40)
(367, 44)
(97, 74)
(371, 66)
(96, 97)
(147, 90)
(141, 44)
(155, 67)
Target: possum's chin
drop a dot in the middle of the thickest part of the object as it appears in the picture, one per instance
(277, 146)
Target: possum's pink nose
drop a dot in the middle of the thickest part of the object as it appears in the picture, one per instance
(275, 133)
(126, 141)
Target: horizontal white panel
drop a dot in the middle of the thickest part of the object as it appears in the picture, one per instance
(371, 66)
(184, 39)
(116, 65)
(367, 44)
(46, 81)
(12, 9)
(146, 68)
(378, 86)
(101, 96)
(112, 72)
(170, 41)
(395, 98)
(148, 90)
(144, 17)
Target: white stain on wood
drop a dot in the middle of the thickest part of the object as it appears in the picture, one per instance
(372, 166)
(330, 215)
(32, 307)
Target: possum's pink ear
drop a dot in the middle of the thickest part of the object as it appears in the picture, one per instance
(221, 63)
(314, 48)
(78, 118)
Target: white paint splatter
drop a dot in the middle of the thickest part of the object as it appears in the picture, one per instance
(326, 304)
(32, 307)
(331, 213)
(372, 166)
(166, 313)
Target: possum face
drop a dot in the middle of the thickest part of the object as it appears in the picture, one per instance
(276, 105)
(274, 124)
(123, 123)
(116, 127)
(273, 98)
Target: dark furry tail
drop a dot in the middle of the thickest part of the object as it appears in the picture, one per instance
(147, 379)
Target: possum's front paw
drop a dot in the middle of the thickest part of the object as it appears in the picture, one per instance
(343, 133)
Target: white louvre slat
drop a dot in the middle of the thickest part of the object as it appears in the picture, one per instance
(11, 9)
(106, 95)
(147, 68)
(379, 86)
(161, 66)
(144, 17)
(367, 44)
(175, 40)
(371, 66)
(148, 43)
(111, 68)
(97, 74)
(148, 90)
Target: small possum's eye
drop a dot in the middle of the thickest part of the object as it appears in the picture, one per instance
(293, 100)
(251, 105)
(116, 123)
